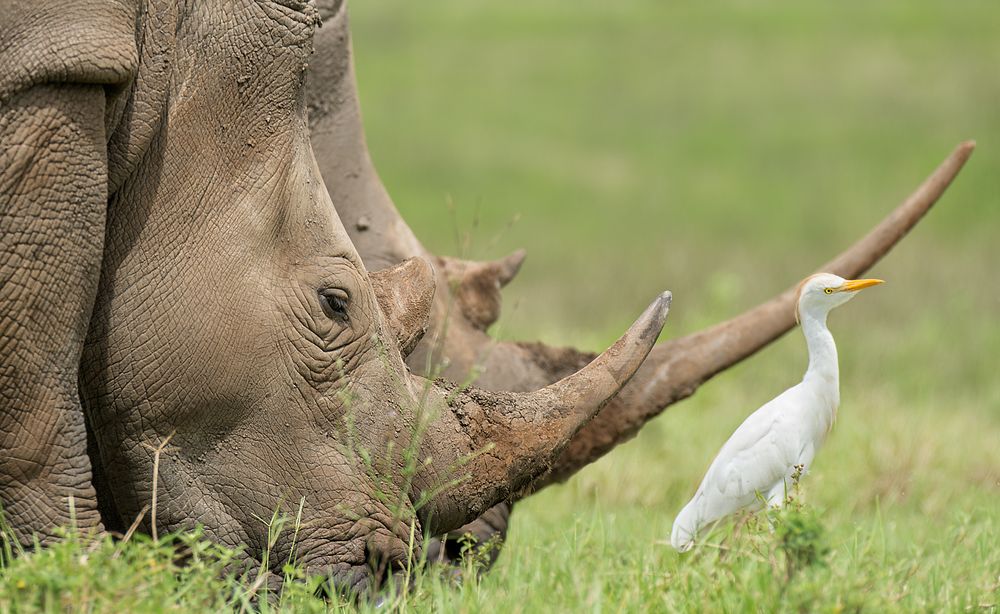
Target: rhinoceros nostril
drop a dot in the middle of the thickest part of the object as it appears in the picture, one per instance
(386, 557)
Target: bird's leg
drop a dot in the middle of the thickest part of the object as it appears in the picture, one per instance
(777, 496)
(771, 525)
(781, 493)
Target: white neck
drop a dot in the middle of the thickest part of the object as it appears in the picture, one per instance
(822, 350)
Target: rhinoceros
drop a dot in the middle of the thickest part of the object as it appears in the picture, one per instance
(202, 277)
(468, 296)
(174, 268)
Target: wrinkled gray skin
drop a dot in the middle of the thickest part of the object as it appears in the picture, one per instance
(468, 297)
(172, 266)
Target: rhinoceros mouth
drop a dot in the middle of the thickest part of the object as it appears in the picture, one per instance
(362, 582)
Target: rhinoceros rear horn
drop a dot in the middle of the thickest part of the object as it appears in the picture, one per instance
(521, 433)
(405, 294)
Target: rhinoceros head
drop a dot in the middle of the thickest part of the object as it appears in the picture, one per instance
(235, 317)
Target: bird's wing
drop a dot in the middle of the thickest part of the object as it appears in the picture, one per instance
(756, 457)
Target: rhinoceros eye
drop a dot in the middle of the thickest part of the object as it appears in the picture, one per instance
(334, 302)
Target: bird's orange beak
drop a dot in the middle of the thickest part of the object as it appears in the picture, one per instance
(854, 285)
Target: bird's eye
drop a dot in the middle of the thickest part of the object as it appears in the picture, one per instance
(334, 302)
(828, 290)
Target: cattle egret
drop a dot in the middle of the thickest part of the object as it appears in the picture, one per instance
(781, 438)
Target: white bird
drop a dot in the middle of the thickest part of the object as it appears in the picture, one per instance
(782, 437)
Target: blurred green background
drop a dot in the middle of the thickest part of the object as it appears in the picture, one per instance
(721, 150)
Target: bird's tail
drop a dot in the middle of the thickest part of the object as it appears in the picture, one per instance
(685, 529)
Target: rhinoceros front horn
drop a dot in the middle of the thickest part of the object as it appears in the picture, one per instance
(493, 444)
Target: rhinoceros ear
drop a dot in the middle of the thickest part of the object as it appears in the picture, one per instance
(405, 294)
(476, 285)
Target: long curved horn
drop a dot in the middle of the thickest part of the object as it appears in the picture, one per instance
(501, 441)
(676, 368)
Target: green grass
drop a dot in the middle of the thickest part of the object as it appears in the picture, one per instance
(719, 150)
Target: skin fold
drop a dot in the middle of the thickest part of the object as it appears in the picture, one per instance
(468, 296)
(174, 267)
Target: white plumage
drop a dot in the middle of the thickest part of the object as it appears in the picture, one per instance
(785, 433)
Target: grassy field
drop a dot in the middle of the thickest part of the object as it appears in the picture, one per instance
(719, 150)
